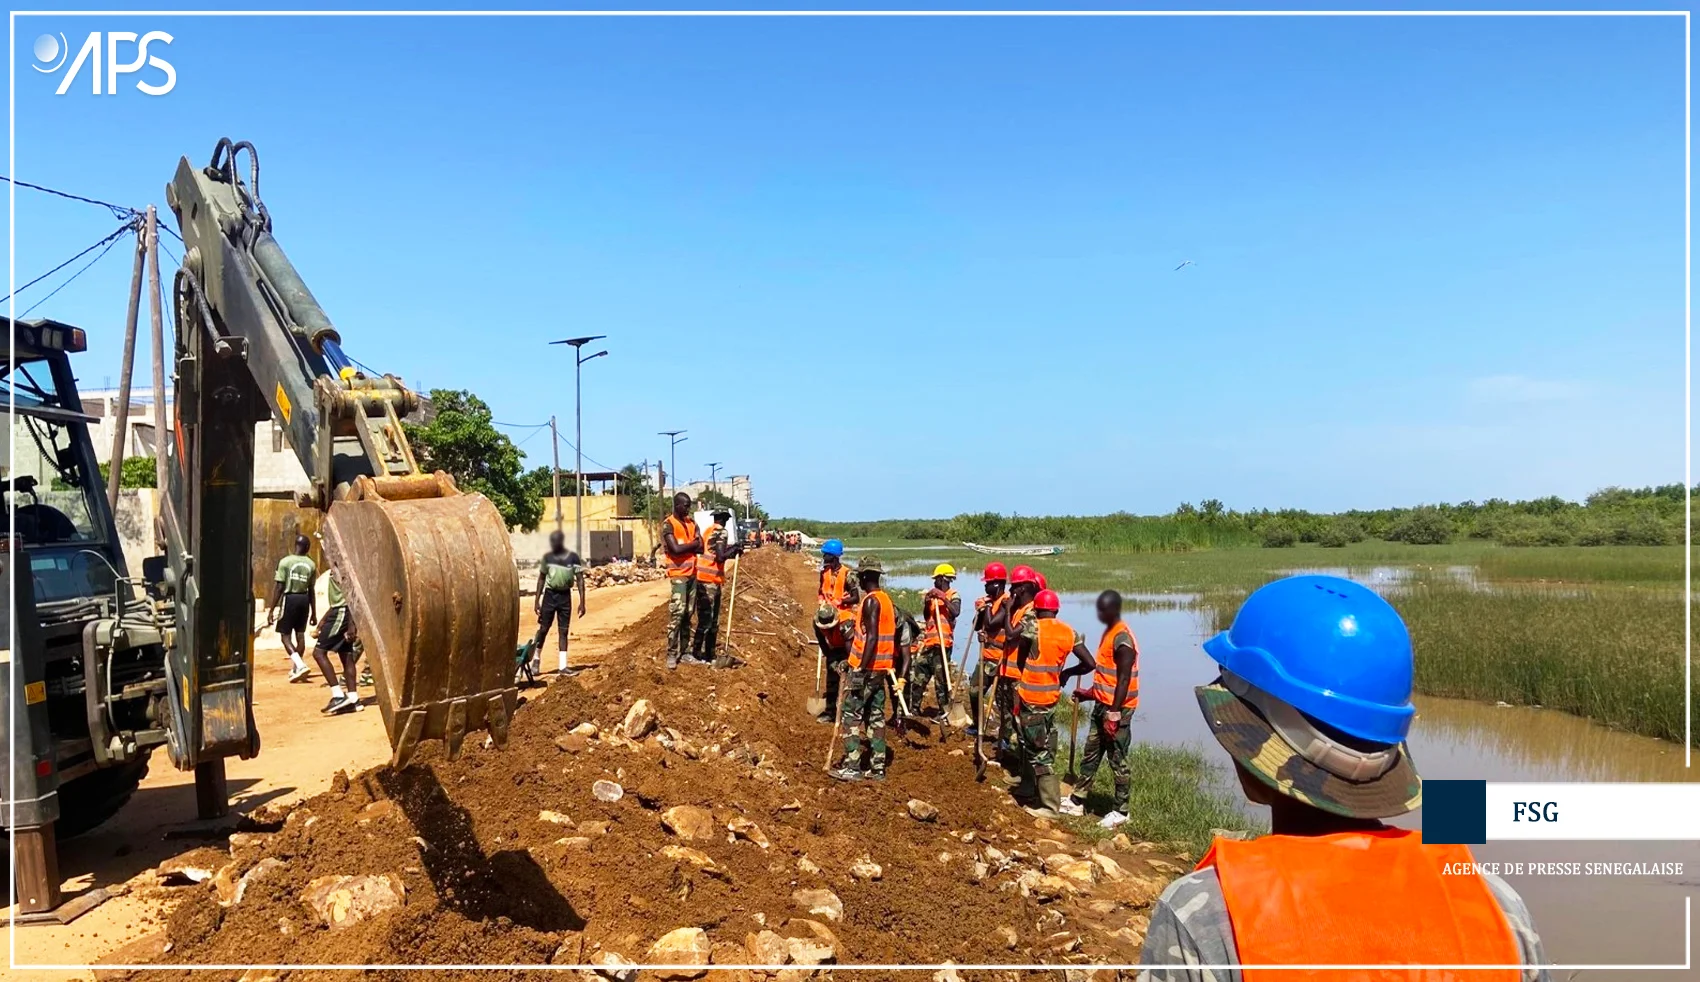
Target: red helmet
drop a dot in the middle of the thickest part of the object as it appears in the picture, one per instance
(1022, 574)
(994, 571)
(1047, 600)
(1042, 584)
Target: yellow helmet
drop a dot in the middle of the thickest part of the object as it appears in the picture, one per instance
(945, 569)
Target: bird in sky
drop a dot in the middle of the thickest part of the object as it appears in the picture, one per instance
(1184, 264)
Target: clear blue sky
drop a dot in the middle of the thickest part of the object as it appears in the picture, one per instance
(1436, 259)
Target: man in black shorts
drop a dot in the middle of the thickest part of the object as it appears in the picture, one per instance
(293, 587)
(337, 633)
(556, 575)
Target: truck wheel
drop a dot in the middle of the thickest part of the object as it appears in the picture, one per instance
(97, 796)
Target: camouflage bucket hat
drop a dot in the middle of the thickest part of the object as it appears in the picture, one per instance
(825, 616)
(869, 564)
(1252, 741)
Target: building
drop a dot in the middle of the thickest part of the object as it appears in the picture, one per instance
(734, 486)
(277, 471)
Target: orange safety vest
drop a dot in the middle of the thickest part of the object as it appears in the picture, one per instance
(1104, 678)
(938, 615)
(684, 533)
(1358, 898)
(991, 646)
(834, 585)
(1010, 669)
(885, 646)
(708, 569)
(1041, 680)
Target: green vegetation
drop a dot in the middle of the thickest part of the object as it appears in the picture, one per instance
(461, 440)
(1175, 795)
(1611, 653)
(1611, 516)
(134, 472)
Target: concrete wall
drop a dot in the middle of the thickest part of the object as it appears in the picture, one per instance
(277, 472)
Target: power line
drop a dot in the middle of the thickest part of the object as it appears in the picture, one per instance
(118, 211)
(110, 238)
(588, 457)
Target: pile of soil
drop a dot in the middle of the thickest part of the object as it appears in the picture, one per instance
(507, 856)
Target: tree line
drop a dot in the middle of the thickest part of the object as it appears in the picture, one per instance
(1610, 516)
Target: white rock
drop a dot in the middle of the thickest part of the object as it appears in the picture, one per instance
(640, 719)
(341, 901)
(866, 869)
(922, 811)
(821, 903)
(554, 818)
(682, 946)
(611, 967)
(767, 948)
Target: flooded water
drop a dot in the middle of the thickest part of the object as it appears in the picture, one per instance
(1583, 919)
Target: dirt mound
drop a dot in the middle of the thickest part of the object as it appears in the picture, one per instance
(516, 856)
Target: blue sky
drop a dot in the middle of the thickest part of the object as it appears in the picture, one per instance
(915, 267)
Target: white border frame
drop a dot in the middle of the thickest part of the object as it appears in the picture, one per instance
(1687, 962)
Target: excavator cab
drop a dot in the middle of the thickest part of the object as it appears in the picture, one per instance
(427, 569)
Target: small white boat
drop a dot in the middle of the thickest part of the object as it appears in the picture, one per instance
(1014, 550)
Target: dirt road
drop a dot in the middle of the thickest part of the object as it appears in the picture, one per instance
(647, 815)
(301, 752)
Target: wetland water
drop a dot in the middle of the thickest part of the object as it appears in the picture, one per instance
(1583, 919)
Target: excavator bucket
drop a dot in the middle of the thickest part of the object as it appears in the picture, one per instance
(429, 574)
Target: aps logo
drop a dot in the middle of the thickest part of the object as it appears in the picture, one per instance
(102, 53)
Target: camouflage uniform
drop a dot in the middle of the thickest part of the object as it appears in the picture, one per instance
(1190, 928)
(681, 595)
(1036, 733)
(928, 666)
(1100, 745)
(863, 702)
(708, 621)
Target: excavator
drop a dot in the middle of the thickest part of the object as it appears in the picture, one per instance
(106, 667)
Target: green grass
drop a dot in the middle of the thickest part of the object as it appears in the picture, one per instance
(1176, 796)
(1607, 652)
(1585, 564)
(1594, 631)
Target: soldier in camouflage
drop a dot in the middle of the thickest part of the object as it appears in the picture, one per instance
(1319, 738)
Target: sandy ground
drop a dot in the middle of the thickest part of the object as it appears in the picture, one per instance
(301, 752)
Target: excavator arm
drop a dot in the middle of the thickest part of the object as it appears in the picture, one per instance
(428, 570)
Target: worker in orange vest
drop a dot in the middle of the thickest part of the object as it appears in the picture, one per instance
(839, 598)
(1041, 648)
(940, 607)
(994, 579)
(1114, 696)
(874, 658)
(681, 544)
(1313, 704)
(1001, 628)
(711, 576)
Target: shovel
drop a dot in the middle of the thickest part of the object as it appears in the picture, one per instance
(817, 702)
(980, 730)
(956, 714)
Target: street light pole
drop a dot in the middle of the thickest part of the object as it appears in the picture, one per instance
(673, 453)
(713, 475)
(579, 358)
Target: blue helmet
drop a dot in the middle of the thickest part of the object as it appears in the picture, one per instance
(1333, 649)
(832, 547)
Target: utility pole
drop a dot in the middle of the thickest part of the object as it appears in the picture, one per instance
(159, 437)
(122, 423)
(673, 451)
(555, 443)
(579, 358)
(713, 476)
